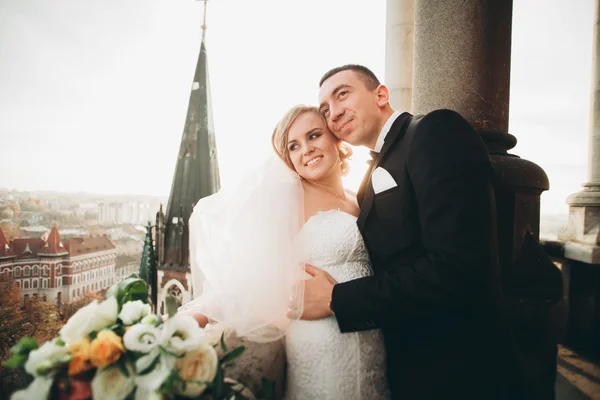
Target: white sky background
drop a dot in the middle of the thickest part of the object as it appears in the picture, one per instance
(93, 94)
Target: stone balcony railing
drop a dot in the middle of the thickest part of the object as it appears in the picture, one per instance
(578, 364)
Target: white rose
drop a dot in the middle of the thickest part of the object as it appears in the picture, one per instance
(181, 334)
(196, 366)
(75, 328)
(105, 315)
(93, 317)
(46, 357)
(151, 319)
(110, 383)
(152, 380)
(143, 394)
(38, 389)
(133, 311)
(141, 337)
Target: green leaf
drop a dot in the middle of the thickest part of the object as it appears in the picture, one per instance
(135, 290)
(123, 368)
(24, 346)
(59, 342)
(172, 306)
(223, 346)
(233, 354)
(68, 386)
(268, 388)
(219, 383)
(16, 361)
(129, 289)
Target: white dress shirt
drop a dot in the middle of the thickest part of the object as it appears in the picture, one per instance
(385, 130)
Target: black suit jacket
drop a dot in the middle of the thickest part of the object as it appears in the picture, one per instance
(435, 292)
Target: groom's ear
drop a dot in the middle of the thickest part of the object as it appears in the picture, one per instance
(383, 95)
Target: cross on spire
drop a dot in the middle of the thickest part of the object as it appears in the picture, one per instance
(204, 21)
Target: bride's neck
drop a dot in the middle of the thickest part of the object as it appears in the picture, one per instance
(332, 185)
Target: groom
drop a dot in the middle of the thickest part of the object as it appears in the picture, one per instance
(427, 219)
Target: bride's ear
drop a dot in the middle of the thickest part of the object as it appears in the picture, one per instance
(345, 152)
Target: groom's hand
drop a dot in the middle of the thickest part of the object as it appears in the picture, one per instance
(317, 294)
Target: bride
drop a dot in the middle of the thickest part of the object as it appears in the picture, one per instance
(248, 248)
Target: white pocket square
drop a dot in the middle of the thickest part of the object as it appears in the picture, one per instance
(382, 180)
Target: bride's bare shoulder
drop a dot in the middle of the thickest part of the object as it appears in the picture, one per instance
(349, 192)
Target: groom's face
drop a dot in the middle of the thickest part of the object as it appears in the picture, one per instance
(350, 108)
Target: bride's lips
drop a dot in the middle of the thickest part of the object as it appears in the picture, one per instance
(318, 158)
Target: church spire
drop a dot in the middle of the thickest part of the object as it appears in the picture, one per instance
(196, 172)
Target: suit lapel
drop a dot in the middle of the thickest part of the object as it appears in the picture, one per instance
(368, 194)
(363, 185)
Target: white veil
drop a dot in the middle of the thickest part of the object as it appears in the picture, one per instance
(245, 267)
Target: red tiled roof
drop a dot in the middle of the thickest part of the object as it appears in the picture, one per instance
(5, 247)
(53, 244)
(27, 248)
(79, 246)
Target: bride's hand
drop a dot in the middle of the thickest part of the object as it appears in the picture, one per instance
(201, 319)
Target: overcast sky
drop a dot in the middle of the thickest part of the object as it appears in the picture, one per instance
(93, 94)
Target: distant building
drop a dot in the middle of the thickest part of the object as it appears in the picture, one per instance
(126, 266)
(56, 271)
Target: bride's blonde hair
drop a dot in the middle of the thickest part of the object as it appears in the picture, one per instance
(279, 140)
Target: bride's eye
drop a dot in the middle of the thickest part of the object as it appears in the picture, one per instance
(292, 147)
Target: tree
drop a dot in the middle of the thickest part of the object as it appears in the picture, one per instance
(148, 263)
(34, 318)
(12, 317)
(66, 311)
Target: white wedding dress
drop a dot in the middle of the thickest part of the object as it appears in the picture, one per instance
(323, 363)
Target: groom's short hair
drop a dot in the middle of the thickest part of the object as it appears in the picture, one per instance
(364, 73)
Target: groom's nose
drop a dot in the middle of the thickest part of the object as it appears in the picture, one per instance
(336, 112)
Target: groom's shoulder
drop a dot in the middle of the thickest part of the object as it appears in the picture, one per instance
(441, 115)
(439, 122)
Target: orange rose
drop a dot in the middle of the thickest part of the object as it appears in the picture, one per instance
(81, 357)
(106, 348)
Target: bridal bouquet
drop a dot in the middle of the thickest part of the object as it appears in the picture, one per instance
(117, 349)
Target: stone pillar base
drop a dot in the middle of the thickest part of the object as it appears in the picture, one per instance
(582, 235)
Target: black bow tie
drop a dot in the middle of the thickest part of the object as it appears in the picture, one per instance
(374, 156)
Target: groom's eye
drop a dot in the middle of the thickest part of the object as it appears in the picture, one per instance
(325, 113)
(314, 136)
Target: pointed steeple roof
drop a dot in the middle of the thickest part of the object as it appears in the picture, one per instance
(6, 250)
(196, 172)
(53, 245)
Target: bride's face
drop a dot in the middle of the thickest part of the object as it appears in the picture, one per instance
(312, 147)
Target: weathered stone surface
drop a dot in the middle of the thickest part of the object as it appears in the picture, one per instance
(462, 59)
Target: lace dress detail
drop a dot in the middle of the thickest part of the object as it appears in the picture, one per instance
(323, 363)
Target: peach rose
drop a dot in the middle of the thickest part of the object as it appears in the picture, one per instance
(197, 366)
(106, 348)
(81, 357)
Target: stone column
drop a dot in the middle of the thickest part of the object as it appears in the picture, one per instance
(462, 59)
(582, 233)
(399, 42)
